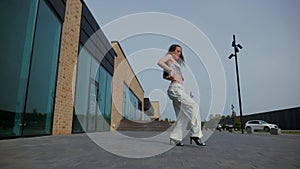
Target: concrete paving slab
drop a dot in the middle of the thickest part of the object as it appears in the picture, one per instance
(224, 150)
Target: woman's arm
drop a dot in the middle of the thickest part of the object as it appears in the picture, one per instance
(163, 63)
(167, 70)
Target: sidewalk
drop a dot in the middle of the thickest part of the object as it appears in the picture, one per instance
(224, 150)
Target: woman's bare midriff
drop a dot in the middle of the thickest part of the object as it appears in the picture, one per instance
(177, 79)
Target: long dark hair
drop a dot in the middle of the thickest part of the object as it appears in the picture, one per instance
(172, 48)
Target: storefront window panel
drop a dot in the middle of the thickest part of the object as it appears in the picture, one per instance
(93, 101)
(82, 91)
(43, 72)
(104, 101)
(130, 105)
(17, 32)
(108, 100)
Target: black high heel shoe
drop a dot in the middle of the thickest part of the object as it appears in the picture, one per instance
(178, 143)
(197, 141)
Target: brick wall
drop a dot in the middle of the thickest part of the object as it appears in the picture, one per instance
(64, 100)
(123, 73)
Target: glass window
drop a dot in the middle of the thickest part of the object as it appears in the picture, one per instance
(17, 29)
(82, 91)
(43, 71)
(105, 96)
(125, 102)
(146, 117)
(131, 109)
(108, 99)
(92, 111)
(102, 95)
(93, 95)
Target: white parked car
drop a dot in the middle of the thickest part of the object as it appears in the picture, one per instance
(259, 125)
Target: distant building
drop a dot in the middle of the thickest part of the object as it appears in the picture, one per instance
(127, 94)
(286, 119)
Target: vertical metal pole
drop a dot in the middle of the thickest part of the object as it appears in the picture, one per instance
(238, 83)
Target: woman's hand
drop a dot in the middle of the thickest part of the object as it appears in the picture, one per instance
(167, 76)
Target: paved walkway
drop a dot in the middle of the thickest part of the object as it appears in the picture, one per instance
(224, 150)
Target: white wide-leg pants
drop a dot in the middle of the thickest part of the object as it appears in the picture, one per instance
(187, 112)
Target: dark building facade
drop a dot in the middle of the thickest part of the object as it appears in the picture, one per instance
(287, 119)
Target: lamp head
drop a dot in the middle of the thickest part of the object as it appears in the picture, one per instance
(240, 46)
(231, 55)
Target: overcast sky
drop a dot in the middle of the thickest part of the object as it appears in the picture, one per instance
(268, 64)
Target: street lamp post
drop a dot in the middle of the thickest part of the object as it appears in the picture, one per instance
(236, 48)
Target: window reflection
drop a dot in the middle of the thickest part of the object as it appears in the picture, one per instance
(42, 79)
(131, 108)
(92, 95)
(27, 67)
